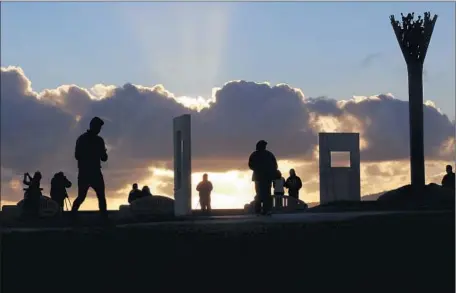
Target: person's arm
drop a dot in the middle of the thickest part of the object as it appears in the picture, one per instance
(198, 187)
(67, 183)
(104, 154)
(130, 197)
(299, 183)
(77, 149)
(252, 161)
(286, 184)
(273, 183)
(210, 186)
(274, 161)
(443, 180)
(27, 179)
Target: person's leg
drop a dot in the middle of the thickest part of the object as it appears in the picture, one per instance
(257, 198)
(279, 202)
(293, 194)
(83, 187)
(61, 203)
(206, 202)
(202, 206)
(267, 196)
(99, 186)
(26, 205)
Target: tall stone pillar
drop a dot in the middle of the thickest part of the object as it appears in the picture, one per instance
(182, 165)
(414, 37)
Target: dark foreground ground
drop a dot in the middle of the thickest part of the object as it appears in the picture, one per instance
(381, 253)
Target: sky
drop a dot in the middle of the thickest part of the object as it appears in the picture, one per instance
(158, 59)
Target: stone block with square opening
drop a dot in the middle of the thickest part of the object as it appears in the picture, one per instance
(182, 165)
(339, 167)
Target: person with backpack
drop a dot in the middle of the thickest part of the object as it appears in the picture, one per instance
(293, 184)
(263, 163)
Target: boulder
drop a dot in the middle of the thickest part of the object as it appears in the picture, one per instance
(124, 211)
(152, 205)
(10, 212)
(433, 196)
(48, 207)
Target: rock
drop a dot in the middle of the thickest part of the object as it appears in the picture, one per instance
(124, 211)
(433, 197)
(153, 205)
(48, 207)
(11, 212)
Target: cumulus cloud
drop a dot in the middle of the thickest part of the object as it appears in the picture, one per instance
(39, 130)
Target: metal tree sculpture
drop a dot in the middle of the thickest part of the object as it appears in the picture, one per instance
(414, 37)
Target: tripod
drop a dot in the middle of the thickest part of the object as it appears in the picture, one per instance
(68, 203)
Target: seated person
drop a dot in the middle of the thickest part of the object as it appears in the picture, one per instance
(135, 193)
(448, 180)
(145, 191)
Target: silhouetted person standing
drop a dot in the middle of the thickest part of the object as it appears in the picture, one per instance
(293, 184)
(205, 188)
(448, 180)
(59, 184)
(279, 191)
(90, 150)
(264, 166)
(134, 194)
(32, 195)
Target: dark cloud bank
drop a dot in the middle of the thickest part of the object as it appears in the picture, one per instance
(38, 131)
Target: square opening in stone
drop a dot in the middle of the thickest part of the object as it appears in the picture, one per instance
(340, 159)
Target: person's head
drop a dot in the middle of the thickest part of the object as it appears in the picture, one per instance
(146, 189)
(205, 177)
(449, 169)
(95, 125)
(135, 186)
(261, 145)
(37, 176)
(279, 174)
(292, 172)
(59, 175)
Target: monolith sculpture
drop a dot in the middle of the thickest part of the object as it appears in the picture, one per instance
(182, 165)
(339, 183)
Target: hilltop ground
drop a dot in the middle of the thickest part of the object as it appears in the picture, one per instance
(386, 252)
